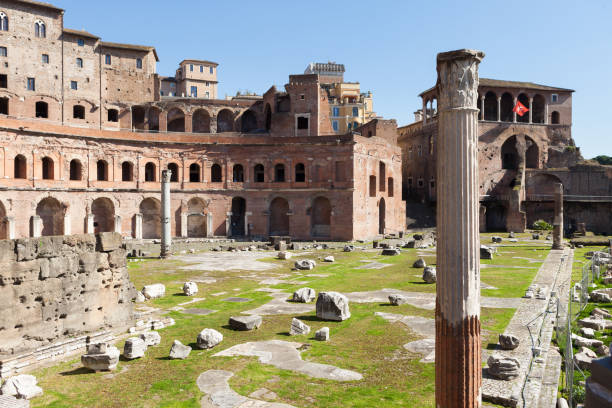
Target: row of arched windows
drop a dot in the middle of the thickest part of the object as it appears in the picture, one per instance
(40, 29)
(150, 173)
(500, 109)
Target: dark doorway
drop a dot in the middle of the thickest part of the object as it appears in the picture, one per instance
(237, 219)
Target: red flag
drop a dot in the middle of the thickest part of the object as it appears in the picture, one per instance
(520, 109)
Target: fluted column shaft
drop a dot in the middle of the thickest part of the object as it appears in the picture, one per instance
(558, 221)
(165, 214)
(458, 348)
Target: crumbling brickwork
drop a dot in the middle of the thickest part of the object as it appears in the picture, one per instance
(58, 286)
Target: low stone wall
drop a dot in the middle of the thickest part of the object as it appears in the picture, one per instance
(60, 287)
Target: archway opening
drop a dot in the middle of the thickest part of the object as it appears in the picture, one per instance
(150, 208)
(174, 176)
(102, 170)
(48, 171)
(20, 167)
(103, 211)
(51, 214)
(248, 122)
(509, 154)
(532, 154)
(300, 173)
(258, 173)
(201, 121)
(539, 103)
(279, 217)
(176, 120)
(150, 171)
(225, 121)
(555, 118)
(194, 173)
(490, 106)
(320, 218)
(196, 218)
(496, 217)
(238, 227)
(506, 106)
(42, 109)
(76, 170)
(153, 118)
(279, 173)
(522, 98)
(138, 117)
(127, 171)
(238, 173)
(216, 175)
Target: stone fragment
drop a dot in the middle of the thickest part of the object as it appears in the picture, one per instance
(603, 350)
(304, 295)
(595, 324)
(584, 358)
(298, 327)
(105, 361)
(486, 252)
(322, 334)
(390, 251)
(584, 342)
(332, 306)
(397, 300)
(429, 274)
(329, 258)
(208, 338)
(179, 351)
(562, 403)
(190, 288)
(108, 241)
(22, 386)
(508, 341)
(153, 291)
(305, 264)
(157, 325)
(349, 248)
(511, 234)
(419, 263)
(151, 338)
(600, 296)
(9, 401)
(496, 239)
(244, 323)
(97, 348)
(134, 347)
(503, 368)
(535, 236)
(284, 255)
(601, 313)
(587, 332)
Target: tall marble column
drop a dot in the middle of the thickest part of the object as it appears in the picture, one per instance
(165, 214)
(558, 221)
(458, 348)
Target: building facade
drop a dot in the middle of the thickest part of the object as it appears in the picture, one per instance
(193, 79)
(90, 158)
(520, 159)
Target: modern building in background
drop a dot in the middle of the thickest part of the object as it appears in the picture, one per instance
(349, 107)
(193, 79)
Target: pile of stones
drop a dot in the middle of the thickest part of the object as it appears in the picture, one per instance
(22, 386)
(503, 368)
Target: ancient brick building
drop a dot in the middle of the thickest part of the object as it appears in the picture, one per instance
(85, 133)
(521, 159)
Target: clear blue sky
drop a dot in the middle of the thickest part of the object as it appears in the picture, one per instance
(388, 46)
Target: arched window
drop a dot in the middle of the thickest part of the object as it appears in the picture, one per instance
(127, 171)
(555, 118)
(258, 173)
(76, 170)
(279, 173)
(139, 63)
(78, 112)
(79, 62)
(48, 172)
(42, 109)
(215, 173)
(102, 170)
(150, 171)
(300, 173)
(113, 115)
(20, 167)
(174, 177)
(490, 106)
(238, 173)
(524, 99)
(194, 173)
(506, 105)
(40, 29)
(3, 22)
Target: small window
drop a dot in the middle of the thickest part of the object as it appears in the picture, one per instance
(3, 22)
(45, 58)
(207, 83)
(420, 183)
(4, 106)
(150, 171)
(79, 62)
(207, 95)
(194, 173)
(174, 177)
(201, 68)
(554, 98)
(76, 170)
(47, 169)
(127, 172)
(432, 183)
(102, 170)
(211, 70)
(78, 112)
(335, 111)
(302, 122)
(302, 96)
(355, 111)
(139, 63)
(348, 126)
(238, 173)
(40, 30)
(81, 42)
(215, 173)
(279, 173)
(335, 125)
(191, 67)
(31, 84)
(20, 167)
(74, 85)
(194, 91)
(3, 81)
(113, 115)
(42, 109)
(390, 186)
(300, 173)
(258, 173)
(372, 186)
(3, 52)
(107, 59)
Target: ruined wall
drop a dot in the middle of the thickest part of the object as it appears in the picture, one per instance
(58, 286)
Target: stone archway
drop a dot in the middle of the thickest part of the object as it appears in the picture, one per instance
(237, 221)
(225, 121)
(51, 215)
(496, 217)
(320, 218)
(196, 218)
(150, 208)
(382, 210)
(103, 211)
(279, 217)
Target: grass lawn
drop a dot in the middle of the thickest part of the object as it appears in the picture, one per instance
(365, 343)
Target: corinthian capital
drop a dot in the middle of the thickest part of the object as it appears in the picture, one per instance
(458, 79)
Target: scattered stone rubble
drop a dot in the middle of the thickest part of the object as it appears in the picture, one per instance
(208, 338)
(101, 357)
(23, 386)
(179, 351)
(419, 263)
(429, 274)
(322, 334)
(190, 288)
(508, 341)
(154, 291)
(397, 300)
(245, 323)
(134, 347)
(304, 295)
(305, 264)
(151, 338)
(298, 327)
(332, 306)
(503, 368)
(284, 255)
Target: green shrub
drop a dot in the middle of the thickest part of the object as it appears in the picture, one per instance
(542, 225)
